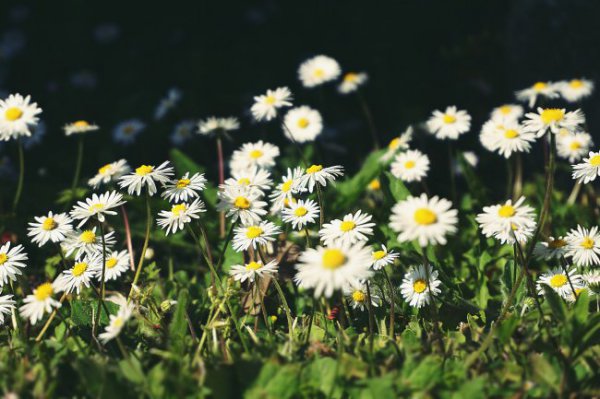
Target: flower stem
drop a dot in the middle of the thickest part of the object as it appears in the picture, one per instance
(102, 276)
(144, 248)
(574, 193)
(49, 321)
(128, 237)
(221, 181)
(77, 167)
(21, 177)
(518, 183)
(321, 210)
(392, 302)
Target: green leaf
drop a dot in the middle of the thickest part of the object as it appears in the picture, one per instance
(184, 163)
(178, 329)
(556, 304)
(397, 187)
(84, 310)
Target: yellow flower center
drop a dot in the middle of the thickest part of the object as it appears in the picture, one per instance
(300, 211)
(43, 291)
(183, 183)
(550, 115)
(255, 154)
(539, 86)
(270, 100)
(13, 113)
(359, 296)
(244, 181)
(318, 73)
(97, 207)
(81, 124)
(49, 224)
(111, 262)
(587, 243)
(394, 143)
(595, 160)
(409, 164)
(419, 286)
(79, 269)
(377, 255)
(177, 210)
(314, 169)
(118, 322)
(303, 123)
(350, 77)
(285, 187)
(575, 145)
(347, 225)
(425, 216)
(511, 134)
(505, 109)
(558, 280)
(375, 185)
(333, 258)
(144, 170)
(105, 169)
(576, 83)
(253, 231)
(253, 266)
(449, 119)
(241, 203)
(3, 258)
(506, 211)
(558, 243)
(88, 237)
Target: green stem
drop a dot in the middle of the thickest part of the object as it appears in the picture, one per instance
(77, 167)
(144, 248)
(102, 281)
(392, 302)
(21, 177)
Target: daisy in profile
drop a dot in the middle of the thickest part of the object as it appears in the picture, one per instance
(179, 216)
(397, 144)
(38, 303)
(419, 284)
(427, 220)
(168, 103)
(183, 132)
(589, 169)
(411, 165)
(358, 295)
(127, 131)
(266, 105)
(117, 322)
(146, 176)
(253, 270)
(52, 227)
(17, 116)
(449, 124)
(489, 131)
(86, 242)
(290, 185)
(254, 235)
(573, 146)
(12, 260)
(351, 229)
(259, 154)
(506, 221)
(382, 257)
(213, 125)
(117, 263)
(374, 185)
(352, 81)
(552, 119)
(317, 174)
(332, 268)
(583, 246)
(109, 173)
(530, 95)
(254, 178)
(302, 124)
(80, 275)
(79, 127)
(471, 158)
(7, 304)
(318, 70)
(553, 248)
(591, 279)
(97, 206)
(575, 89)
(511, 138)
(507, 112)
(187, 187)
(242, 203)
(301, 213)
(559, 282)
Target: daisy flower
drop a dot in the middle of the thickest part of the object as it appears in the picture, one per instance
(11, 261)
(419, 284)
(318, 70)
(179, 216)
(559, 282)
(259, 154)
(79, 127)
(506, 221)
(214, 124)
(254, 235)
(253, 270)
(552, 119)
(510, 112)
(81, 274)
(117, 263)
(545, 89)
(253, 177)
(182, 132)
(126, 131)
(302, 124)
(553, 248)
(374, 185)
(146, 176)
(583, 246)
(111, 172)
(382, 258)
(352, 229)
(352, 81)
(589, 169)
(573, 146)
(471, 158)
(398, 143)
(449, 124)
(38, 303)
(185, 188)
(98, 206)
(86, 242)
(358, 295)
(168, 103)
(117, 322)
(301, 213)
(327, 269)
(242, 203)
(53, 227)
(591, 279)
(266, 105)
(411, 165)
(289, 186)
(7, 304)
(427, 220)
(318, 174)
(17, 116)
(511, 138)
(489, 131)
(575, 89)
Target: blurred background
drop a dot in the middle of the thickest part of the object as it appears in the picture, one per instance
(110, 62)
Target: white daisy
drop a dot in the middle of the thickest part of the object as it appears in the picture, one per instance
(383, 257)
(573, 146)
(98, 206)
(489, 131)
(7, 304)
(146, 176)
(511, 138)
(12, 260)
(506, 221)
(545, 89)
(254, 235)
(327, 269)
(553, 248)
(559, 282)
(583, 246)
(511, 112)
(185, 188)
(398, 144)
(552, 119)
(81, 274)
(301, 213)
(352, 81)
(575, 89)
(289, 186)
(17, 116)
(117, 322)
(259, 154)
(318, 174)
(117, 263)
(242, 203)
(266, 105)
(423, 219)
(53, 227)
(318, 70)
(179, 216)
(358, 295)
(419, 284)
(253, 177)
(302, 124)
(86, 242)
(111, 172)
(38, 303)
(411, 165)
(449, 124)
(471, 158)
(352, 229)
(253, 270)
(215, 125)
(79, 127)
(591, 279)
(127, 131)
(589, 169)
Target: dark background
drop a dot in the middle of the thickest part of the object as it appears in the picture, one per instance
(420, 55)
